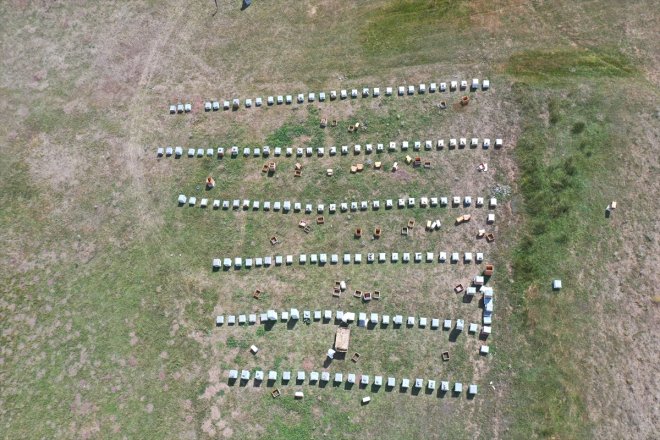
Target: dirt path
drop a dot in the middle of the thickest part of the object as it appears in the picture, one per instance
(138, 106)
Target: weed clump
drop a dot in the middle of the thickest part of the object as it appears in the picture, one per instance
(578, 127)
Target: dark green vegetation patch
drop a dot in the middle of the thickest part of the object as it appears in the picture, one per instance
(401, 26)
(565, 62)
(560, 162)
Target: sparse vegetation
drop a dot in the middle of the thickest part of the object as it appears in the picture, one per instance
(107, 299)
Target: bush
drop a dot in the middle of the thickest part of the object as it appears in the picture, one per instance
(578, 127)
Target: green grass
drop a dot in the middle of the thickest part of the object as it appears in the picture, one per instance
(570, 64)
(285, 135)
(559, 164)
(404, 25)
(305, 425)
(288, 133)
(384, 125)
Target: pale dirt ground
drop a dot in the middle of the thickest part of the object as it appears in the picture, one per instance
(625, 388)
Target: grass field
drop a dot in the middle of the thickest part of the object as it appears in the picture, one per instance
(108, 300)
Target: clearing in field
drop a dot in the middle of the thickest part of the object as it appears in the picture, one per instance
(307, 219)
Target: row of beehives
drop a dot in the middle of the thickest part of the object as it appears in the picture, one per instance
(265, 151)
(362, 319)
(235, 104)
(362, 380)
(286, 206)
(322, 259)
